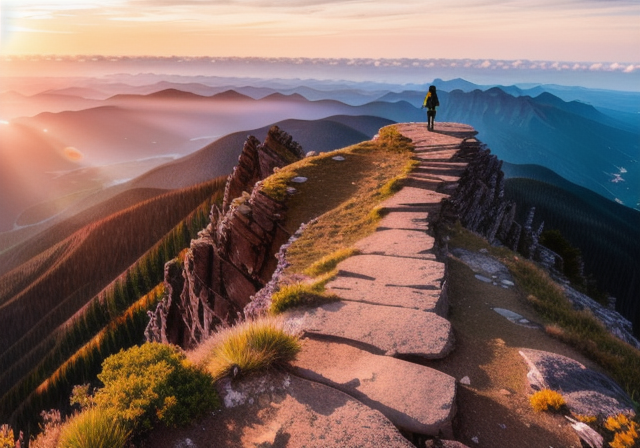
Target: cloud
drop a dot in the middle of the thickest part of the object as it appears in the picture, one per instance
(21, 29)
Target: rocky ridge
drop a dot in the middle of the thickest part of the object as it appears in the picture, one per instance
(233, 257)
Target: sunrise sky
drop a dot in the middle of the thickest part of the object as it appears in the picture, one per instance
(567, 30)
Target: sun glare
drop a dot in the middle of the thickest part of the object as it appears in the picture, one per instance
(72, 154)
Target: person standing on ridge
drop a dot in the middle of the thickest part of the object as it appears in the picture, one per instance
(431, 102)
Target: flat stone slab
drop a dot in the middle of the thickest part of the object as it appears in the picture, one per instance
(394, 271)
(413, 197)
(364, 291)
(443, 134)
(391, 281)
(586, 391)
(281, 410)
(398, 243)
(415, 398)
(436, 153)
(404, 220)
(392, 330)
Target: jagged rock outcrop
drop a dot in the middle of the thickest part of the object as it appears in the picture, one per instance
(234, 256)
(478, 201)
(479, 204)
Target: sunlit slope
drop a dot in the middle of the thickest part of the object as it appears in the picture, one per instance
(53, 285)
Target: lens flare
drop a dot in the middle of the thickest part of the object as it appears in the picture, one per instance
(72, 154)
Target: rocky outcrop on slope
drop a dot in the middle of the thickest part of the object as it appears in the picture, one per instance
(234, 256)
(479, 204)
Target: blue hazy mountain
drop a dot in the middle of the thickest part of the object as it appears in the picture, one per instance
(575, 140)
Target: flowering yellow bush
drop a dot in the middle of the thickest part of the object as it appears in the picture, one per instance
(6, 437)
(546, 399)
(588, 419)
(625, 431)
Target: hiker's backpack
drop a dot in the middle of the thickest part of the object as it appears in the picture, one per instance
(432, 101)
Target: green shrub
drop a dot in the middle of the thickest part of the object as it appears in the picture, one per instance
(154, 382)
(252, 346)
(93, 428)
(571, 255)
(81, 396)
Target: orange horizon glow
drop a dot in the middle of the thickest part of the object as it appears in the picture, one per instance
(543, 30)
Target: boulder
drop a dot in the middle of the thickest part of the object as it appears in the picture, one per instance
(585, 391)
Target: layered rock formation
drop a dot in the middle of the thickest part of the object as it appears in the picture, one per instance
(233, 257)
(479, 203)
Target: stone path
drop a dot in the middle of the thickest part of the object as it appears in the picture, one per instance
(393, 302)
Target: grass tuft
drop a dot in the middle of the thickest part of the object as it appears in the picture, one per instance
(275, 186)
(290, 296)
(329, 262)
(252, 346)
(546, 400)
(93, 428)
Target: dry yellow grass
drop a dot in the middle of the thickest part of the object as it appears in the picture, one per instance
(251, 346)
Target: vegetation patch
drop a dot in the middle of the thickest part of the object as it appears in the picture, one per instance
(547, 400)
(329, 262)
(7, 439)
(625, 431)
(251, 346)
(290, 296)
(579, 329)
(275, 186)
(154, 383)
(50, 429)
(42, 366)
(342, 194)
(93, 428)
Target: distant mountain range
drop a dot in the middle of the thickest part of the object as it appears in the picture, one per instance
(595, 148)
(578, 142)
